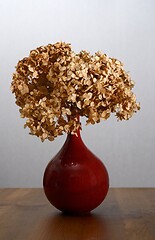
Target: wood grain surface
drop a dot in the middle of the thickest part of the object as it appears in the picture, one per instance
(126, 214)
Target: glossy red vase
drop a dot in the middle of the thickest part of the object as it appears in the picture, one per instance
(75, 180)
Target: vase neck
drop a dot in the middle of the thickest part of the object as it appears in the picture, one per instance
(78, 131)
(76, 135)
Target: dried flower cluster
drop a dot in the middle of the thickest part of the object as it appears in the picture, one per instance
(53, 86)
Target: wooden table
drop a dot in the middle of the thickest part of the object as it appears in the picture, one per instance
(25, 214)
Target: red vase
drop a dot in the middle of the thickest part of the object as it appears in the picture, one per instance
(75, 180)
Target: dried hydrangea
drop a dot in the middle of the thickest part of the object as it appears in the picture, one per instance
(54, 85)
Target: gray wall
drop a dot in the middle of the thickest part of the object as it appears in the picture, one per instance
(122, 29)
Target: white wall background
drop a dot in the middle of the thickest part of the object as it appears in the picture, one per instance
(122, 29)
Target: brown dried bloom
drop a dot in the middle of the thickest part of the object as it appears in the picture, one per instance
(53, 86)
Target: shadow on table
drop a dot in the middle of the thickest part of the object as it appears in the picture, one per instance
(62, 226)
